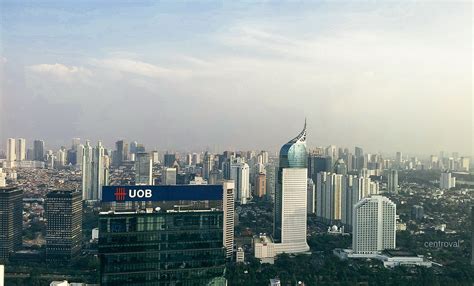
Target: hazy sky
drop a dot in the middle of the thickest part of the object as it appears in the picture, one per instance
(383, 75)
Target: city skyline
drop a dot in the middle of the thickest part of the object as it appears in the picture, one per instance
(181, 76)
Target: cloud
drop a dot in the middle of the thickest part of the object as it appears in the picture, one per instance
(132, 66)
(61, 72)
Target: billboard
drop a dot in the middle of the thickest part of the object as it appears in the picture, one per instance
(161, 193)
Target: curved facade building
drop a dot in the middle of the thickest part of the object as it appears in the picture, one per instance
(291, 197)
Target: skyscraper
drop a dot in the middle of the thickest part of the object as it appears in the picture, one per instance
(260, 185)
(38, 150)
(290, 197)
(87, 172)
(64, 225)
(311, 208)
(240, 174)
(446, 181)
(168, 176)
(374, 225)
(207, 165)
(21, 149)
(11, 152)
(143, 169)
(228, 204)
(11, 221)
(120, 152)
(392, 182)
(169, 159)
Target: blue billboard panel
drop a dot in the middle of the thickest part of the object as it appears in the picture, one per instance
(161, 193)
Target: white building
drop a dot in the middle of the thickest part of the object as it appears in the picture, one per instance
(198, 181)
(290, 221)
(2, 275)
(446, 181)
(311, 200)
(240, 174)
(240, 255)
(21, 149)
(168, 176)
(95, 171)
(11, 152)
(374, 225)
(229, 211)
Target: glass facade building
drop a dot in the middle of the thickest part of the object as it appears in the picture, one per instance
(157, 248)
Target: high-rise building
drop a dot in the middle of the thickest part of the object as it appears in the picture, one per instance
(11, 150)
(228, 204)
(38, 150)
(270, 173)
(207, 165)
(290, 197)
(143, 169)
(240, 174)
(169, 160)
(183, 241)
(417, 212)
(392, 182)
(79, 155)
(374, 225)
(95, 171)
(311, 208)
(120, 153)
(75, 142)
(11, 221)
(260, 185)
(87, 172)
(340, 167)
(446, 181)
(21, 149)
(63, 212)
(196, 159)
(168, 176)
(317, 164)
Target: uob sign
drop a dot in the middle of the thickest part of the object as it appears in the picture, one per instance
(122, 193)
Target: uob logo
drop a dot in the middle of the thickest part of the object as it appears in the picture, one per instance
(120, 194)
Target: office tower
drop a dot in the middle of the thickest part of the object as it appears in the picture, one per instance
(340, 167)
(317, 164)
(399, 159)
(392, 182)
(63, 212)
(240, 174)
(434, 162)
(79, 155)
(331, 151)
(228, 204)
(11, 221)
(207, 165)
(21, 149)
(464, 164)
(196, 159)
(189, 159)
(260, 185)
(133, 147)
(446, 181)
(38, 150)
(329, 189)
(2, 275)
(96, 172)
(155, 157)
(61, 157)
(290, 197)
(358, 152)
(120, 153)
(417, 212)
(143, 169)
(374, 225)
(169, 160)
(87, 172)
(270, 174)
(168, 176)
(311, 200)
(240, 255)
(182, 242)
(348, 200)
(50, 158)
(75, 142)
(11, 146)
